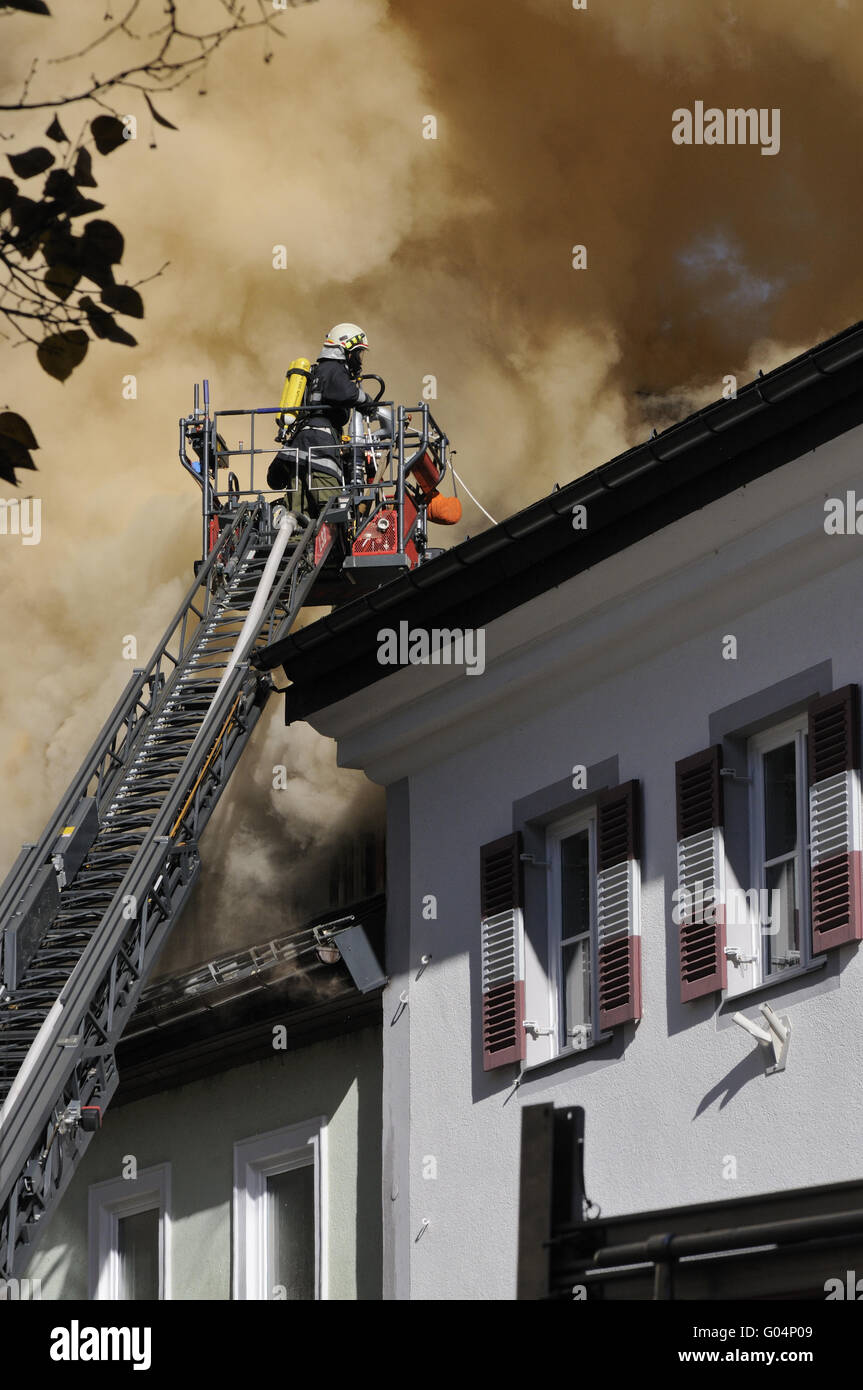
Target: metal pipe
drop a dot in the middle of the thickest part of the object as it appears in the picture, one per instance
(205, 464)
(674, 1247)
(400, 484)
(577, 1272)
(252, 453)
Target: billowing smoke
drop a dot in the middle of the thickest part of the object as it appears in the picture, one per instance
(552, 131)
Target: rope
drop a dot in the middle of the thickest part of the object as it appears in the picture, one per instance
(472, 498)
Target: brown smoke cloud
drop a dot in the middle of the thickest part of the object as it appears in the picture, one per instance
(553, 129)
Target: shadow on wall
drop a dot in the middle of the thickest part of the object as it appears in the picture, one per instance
(750, 1068)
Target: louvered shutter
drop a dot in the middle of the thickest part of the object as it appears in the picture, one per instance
(618, 891)
(834, 818)
(700, 874)
(502, 898)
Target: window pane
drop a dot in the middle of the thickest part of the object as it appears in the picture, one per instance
(291, 1231)
(576, 985)
(780, 801)
(782, 946)
(138, 1251)
(575, 884)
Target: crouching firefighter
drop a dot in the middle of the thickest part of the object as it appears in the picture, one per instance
(312, 454)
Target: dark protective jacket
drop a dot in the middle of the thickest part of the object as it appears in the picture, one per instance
(332, 394)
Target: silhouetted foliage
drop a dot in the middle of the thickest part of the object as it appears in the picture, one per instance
(58, 286)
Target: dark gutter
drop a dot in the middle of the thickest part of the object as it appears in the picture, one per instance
(776, 418)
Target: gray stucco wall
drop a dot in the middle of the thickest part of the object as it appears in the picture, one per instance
(194, 1128)
(669, 1101)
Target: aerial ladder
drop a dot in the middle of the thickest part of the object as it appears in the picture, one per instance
(85, 911)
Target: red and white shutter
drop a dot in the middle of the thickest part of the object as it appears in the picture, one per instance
(834, 818)
(700, 874)
(502, 897)
(618, 905)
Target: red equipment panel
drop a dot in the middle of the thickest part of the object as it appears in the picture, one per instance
(426, 473)
(323, 541)
(379, 536)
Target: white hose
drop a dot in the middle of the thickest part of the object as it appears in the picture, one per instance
(249, 630)
(472, 498)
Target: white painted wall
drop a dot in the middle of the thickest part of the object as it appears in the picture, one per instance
(623, 660)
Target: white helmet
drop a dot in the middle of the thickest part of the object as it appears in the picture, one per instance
(347, 336)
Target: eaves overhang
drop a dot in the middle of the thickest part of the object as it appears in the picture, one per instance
(776, 418)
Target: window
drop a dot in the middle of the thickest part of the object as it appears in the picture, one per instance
(279, 1214)
(129, 1230)
(561, 972)
(768, 849)
(572, 1009)
(776, 909)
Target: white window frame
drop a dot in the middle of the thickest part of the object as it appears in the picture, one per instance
(255, 1160)
(559, 1046)
(107, 1203)
(790, 730)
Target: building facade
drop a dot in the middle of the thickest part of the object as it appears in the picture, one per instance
(641, 818)
(240, 1158)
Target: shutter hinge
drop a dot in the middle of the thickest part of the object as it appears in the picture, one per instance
(732, 953)
(535, 1029)
(534, 862)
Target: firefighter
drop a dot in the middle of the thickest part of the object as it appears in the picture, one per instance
(332, 393)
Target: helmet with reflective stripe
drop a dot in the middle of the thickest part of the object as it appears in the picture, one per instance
(347, 336)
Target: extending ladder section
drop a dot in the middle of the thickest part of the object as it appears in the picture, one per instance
(86, 910)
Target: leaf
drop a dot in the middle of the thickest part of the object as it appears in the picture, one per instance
(8, 190)
(7, 469)
(61, 279)
(15, 427)
(72, 258)
(94, 267)
(12, 456)
(107, 133)
(31, 219)
(82, 206)
(83, 171)
(28, 6)
(119, 335)
(124, 299)
(16, 441)
(59, 245)
(61, 186)
(31, 162)
(104, 240)
(56, 132)
(98, 319)
(60, 353)
(103, 325)
(156, 117)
